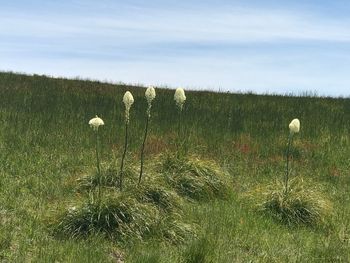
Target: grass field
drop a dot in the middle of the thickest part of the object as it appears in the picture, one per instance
(46, 144)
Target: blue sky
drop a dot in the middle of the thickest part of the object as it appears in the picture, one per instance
(260, 46)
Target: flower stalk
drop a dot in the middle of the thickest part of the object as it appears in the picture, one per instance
(95, 123)
(128, 100)
(290, 138)
(150, 95)
(294, 127)
(180, 99)
(123, 157)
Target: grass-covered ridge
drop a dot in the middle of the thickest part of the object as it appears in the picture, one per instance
(47, 147)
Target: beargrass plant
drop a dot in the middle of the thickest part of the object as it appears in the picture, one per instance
(156, 190)
(150, 95)
(151, 211)
(146, 212)
(180, 99)
(128, 100)
(302, 204)
(294, 127)
(195, 178)
(110, 177)
(95, 123)
(160, 195)
(293, 202)
(118, 216)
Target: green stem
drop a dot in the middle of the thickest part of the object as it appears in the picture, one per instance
(123, 157)
(287, 166)
(143, 148)
(98, 164)
(179, 133)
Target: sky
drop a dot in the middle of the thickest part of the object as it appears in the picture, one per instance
(283, 47)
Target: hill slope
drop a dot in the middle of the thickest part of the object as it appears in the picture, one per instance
(46, 144)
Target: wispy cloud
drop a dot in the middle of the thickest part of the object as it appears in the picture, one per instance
(233, 25)
(209, 46)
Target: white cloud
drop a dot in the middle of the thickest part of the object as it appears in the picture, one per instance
(229, 26)
(139, 46)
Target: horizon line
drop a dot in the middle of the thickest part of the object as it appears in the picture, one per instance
(299, 94)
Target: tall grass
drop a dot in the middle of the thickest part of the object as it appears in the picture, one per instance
(45, 146)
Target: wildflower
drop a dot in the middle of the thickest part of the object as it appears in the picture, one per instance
(180, 97)
(294, 126)
(96, 122)
(150, 94)
(128, 100)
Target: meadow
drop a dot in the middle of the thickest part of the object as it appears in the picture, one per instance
(46, 145)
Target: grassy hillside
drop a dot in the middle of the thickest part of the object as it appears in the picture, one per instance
(46, 144)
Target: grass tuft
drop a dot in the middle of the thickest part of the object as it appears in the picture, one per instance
(108, 178)
(117, 216)
(195, 178)
(302, 204)
(151, 210)
(163, 198)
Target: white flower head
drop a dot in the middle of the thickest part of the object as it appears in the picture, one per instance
(128, 100)
(150, 95)
(96, 122)
(180, 97)
(294, 126)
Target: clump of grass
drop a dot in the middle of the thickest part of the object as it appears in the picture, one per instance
(300, 205)
(171, 226)
(109, 177)
(117, 216)
(160, 196)
(195, 178)
(152, 210)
